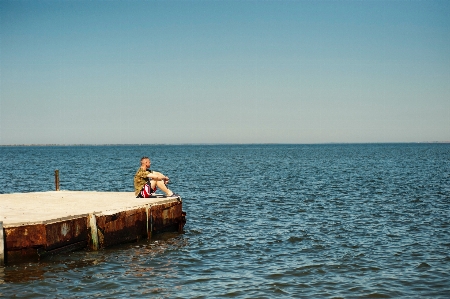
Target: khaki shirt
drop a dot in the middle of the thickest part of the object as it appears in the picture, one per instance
(140, 178)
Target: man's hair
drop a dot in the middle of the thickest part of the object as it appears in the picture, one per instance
(144, 158)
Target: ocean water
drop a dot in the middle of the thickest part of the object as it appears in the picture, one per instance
(263, 221)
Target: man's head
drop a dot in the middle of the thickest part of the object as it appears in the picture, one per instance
(145, 161)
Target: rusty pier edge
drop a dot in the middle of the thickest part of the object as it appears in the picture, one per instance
(31, 241)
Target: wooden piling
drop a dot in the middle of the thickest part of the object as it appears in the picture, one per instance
(94, 234)
(57, 180)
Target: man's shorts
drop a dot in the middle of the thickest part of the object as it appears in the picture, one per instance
(146, 191)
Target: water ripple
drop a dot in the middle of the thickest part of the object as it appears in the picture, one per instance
(264, 221)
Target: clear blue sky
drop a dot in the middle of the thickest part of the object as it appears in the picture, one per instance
(102, 72)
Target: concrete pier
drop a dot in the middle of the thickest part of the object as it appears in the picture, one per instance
(42, 223)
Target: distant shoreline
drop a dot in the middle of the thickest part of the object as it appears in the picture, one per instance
(182, 144)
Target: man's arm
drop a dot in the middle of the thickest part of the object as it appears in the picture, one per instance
(157, 176)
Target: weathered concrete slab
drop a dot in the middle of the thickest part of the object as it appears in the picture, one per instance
(17, 208)
(36, 224)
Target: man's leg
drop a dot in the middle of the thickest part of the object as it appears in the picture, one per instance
(161, 186)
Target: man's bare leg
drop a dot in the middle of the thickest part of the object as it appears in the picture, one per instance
(161, 186)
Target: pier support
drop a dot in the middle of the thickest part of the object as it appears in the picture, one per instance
(2, 245)
(148, 212)
(94, 234)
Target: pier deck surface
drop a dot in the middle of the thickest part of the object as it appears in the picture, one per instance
(35, 207)
(36, 224)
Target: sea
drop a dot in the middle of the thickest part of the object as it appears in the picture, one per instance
(263, 221)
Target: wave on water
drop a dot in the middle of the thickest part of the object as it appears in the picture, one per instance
(263, 221)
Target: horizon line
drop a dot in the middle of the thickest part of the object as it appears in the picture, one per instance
(218, 143)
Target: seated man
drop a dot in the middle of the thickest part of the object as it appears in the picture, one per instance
(146, 181)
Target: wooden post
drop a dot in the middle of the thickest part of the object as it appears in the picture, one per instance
(2, 245)
(94, 235)
(57, 180)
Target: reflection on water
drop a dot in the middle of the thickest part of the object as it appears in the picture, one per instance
(129, 256)
(110, 271)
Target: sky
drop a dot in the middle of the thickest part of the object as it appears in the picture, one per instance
(181, 72)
